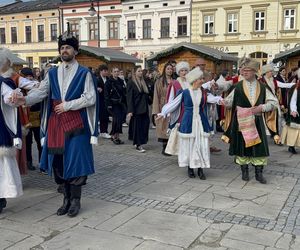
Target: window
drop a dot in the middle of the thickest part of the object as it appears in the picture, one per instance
(232, 22)
(53, 30)
(131, 29)
(182, 26)
(29, 60)
(147, 28)
(14, 36)
(289, 19)
(93, 29)
(2, 36)
(28, 34)
(165, 27)
(208, 24)
(113, 29)
(41, 34)
(260, 20)
(74, 28)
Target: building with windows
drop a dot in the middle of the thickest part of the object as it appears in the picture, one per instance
(30, 30)
(153, 25)
(85, 26)
(256, 28)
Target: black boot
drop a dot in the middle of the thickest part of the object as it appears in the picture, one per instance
(2, 204)
(163, 150)
(201, 174)
(245, 172)
(259, 174)
(30, 166)
(292, 150)
(75, 200)
(191, 173)
(66, 203)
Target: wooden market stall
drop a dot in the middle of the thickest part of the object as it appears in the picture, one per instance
(289, 58)
(94, 56)
(216, 60)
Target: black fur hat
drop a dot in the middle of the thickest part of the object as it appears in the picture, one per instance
(68, 39)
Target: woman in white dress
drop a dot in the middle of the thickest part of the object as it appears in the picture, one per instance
(194, 129)
(10, 133)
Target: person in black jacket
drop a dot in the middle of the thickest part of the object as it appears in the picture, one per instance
(137, 108)
(103, 113)
(115, 100)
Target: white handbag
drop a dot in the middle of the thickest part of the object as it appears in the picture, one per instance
(172, 146)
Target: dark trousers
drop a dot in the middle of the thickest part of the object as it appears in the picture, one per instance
(35, 132)
(58, 170)
(103, 126)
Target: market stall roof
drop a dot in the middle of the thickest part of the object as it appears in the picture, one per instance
(17, 60)
(283, 56)
(211, 53)
(108, 55)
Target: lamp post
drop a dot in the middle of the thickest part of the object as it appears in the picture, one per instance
(92, 12)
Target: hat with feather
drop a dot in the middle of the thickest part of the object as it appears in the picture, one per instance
(68, 39)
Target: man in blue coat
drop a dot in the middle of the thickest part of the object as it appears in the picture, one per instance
(69, 123)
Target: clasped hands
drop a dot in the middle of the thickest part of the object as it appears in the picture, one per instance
(17, 99)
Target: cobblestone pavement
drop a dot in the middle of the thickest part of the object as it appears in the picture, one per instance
(145, 201)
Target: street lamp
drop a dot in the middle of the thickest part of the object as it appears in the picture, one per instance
(92, 12)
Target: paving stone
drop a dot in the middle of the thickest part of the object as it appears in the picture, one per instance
(238, 245)
(120, 218)
(164, 227)
(203, 247)
(9, 237)
(79, 238)
(27, 243)
(210, 236)
(162, 191)
(252, 235)
(154, 245)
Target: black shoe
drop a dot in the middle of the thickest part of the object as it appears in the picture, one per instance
(3, 203)
(164, 150)
(201, 174)
(245, 172)
(60, 188)
(75, 201)
(191, 173)
(292, 150)
(259, 174)
(30, 166)
(66, 202)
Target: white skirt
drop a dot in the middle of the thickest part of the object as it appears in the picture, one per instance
(10, 179)
(192, 155)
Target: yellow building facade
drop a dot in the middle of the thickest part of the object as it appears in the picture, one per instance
(257, 28)
(31, 34)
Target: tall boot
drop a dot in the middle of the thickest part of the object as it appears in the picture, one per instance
(191, 173)
(259, 174)
(163, 150)
(2, 204)
(245, 172)
(201, 174)
(75, 200)
(66, 202)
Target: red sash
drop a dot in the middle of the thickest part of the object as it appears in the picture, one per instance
(62, 126)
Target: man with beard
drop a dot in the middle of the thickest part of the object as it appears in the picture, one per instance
(69, 123)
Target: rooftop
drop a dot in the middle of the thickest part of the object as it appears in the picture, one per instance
(38, 5)
(108, 54)
(213, 54)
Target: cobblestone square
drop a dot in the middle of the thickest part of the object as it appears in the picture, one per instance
(145, 201)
